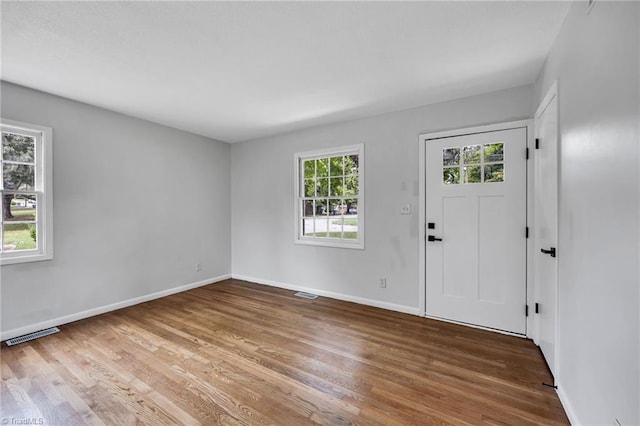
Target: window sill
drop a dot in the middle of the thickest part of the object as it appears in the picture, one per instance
(26, 258)
(358, 245)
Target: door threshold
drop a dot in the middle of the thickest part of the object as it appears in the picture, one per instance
(480, 327)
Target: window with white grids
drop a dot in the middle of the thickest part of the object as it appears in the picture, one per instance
(26, 228)
(330, 197)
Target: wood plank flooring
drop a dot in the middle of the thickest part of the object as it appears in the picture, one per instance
(238, 353)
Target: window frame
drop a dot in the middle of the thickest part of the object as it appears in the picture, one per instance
(299, 158)
(43, 188)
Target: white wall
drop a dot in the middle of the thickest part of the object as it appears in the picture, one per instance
(262, 201)
(595, 60)
(136, 205)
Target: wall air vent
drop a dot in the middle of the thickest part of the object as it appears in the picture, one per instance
(32, 336)
(306, 295)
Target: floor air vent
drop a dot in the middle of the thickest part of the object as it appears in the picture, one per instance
(306, 295)
(32, 336)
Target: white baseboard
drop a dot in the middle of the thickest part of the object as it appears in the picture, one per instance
(55, 322)
(568, 409)
(339, 296)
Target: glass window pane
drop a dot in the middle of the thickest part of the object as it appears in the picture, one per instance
(335, 227)
(351, 165)
(18, 208)
(308, 226)
(18, 236)
(471, 174)
(471, 154)
(323, 187)
(451, 156)
(336, 186)
(335, 207)
(309, 168)
(18, 177)
(309, 187)
(18, 147)
(322, 167)
(350, 230)
(351, 185)
(494, 152)
(451, 176)
(336, 166)
(494, 173)
(351, 206)
(322, 208)
(307, 208)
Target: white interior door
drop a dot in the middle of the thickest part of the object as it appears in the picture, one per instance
(545, 227)
(475, 255)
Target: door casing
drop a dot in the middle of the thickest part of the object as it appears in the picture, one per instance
(423, 139)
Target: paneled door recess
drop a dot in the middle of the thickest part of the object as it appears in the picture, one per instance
(476, 204)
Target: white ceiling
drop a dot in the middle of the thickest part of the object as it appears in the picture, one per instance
(236, 71)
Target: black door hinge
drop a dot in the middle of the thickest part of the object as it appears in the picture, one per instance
(527, 153)
(537, 308)
(526, 310)
(537, 143)
(526, 232)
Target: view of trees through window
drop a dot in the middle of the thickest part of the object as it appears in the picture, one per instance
(19, 199)
(473, 164)
(329, 197)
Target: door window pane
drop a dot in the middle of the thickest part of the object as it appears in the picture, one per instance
(471, 154)
(451, 175)
(451, 156)
(472, 174)
(494, 173)
(493, 152)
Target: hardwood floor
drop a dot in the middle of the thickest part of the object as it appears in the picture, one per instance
(242, 353)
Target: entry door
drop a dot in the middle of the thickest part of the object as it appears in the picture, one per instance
(545, 228)
(476, 199)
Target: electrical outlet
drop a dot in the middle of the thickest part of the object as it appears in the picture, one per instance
(198, 267)
(406, 209)
(383, 283)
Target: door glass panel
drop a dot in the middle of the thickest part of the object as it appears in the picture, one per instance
(472, 174)
(494, 173)
(451, 156)
(493, 152)
(471, 154)
(451, 175)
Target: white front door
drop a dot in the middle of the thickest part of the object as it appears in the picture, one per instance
(476, 200)
(545, 227)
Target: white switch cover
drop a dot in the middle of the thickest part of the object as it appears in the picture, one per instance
(406, 209)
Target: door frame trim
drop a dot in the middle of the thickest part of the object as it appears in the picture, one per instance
(422, 199)
(551, 95)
